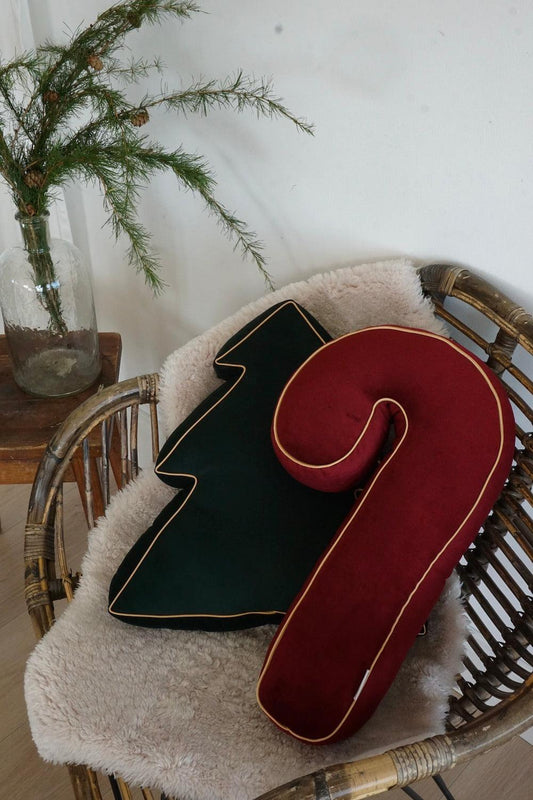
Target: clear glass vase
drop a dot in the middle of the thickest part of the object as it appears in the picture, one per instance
(48, 310)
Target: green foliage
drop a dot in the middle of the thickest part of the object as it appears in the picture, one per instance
(65, 116)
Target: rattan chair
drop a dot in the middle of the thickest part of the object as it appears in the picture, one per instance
(494, 695)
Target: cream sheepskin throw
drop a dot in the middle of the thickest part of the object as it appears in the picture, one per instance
(176, 710)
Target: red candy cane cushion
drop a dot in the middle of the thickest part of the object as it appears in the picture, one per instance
(348, 630)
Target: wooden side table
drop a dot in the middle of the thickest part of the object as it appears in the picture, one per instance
(27, 423)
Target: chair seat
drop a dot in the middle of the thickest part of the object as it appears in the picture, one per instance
(177, 709)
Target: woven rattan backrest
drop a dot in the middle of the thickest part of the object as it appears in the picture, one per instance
(496, 572)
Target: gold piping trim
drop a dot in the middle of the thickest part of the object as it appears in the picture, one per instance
(158, 471)
(288, 617)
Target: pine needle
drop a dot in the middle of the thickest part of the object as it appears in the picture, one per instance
(65, 116)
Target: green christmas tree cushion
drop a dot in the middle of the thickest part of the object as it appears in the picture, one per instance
(235, 545)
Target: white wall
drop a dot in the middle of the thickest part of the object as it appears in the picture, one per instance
(423, 147)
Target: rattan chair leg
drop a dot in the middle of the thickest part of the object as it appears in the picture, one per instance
(114, 787)
(84, 783)
(439, 780)
(411, 793)
(121, 790)
(440, 783)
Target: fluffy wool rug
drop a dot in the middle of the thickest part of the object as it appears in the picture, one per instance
(176, 710)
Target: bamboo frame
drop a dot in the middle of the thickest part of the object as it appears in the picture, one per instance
(494, 695)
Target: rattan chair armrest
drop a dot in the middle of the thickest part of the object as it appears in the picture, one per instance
(76, 427)
(441, 280)
(507, 719)
(409, 763)
(39, 540)
(365, 777)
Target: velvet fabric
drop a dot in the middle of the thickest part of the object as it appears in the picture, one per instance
(233, 548)
(437, 477)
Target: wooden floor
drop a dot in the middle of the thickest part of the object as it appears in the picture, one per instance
(504, 774)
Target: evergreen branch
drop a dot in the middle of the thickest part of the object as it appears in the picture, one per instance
(237, 93)
(135, 70)
(120, 192)
(104, 36)
(73, 122)
(244, 238)
(123, 221)
(8, 167)
(193, 173)
(10, 170)
(20, 67)
(6, 91)
(104, 100)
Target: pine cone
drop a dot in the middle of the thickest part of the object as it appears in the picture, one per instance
(95, 62)
(50, 96)
(140, 118)
(134, 19)
(34, 179)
